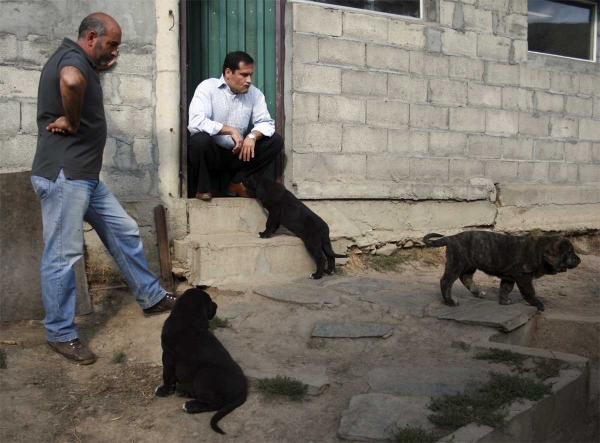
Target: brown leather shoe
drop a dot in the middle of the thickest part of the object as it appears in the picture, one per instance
(165, 305)
(239, 189)
(73, 351)
(206, 196)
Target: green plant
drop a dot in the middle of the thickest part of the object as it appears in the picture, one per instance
(410, 434)
(282, 386)
(118, 357)
(509, 358)
(2, 359)
(217, 322)
(545, 368)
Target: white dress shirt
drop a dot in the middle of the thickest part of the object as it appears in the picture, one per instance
(214, 105)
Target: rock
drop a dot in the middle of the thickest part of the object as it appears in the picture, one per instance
(408, 244)
(351, 330)
(300, 294)
(178, 272)
(386, 250)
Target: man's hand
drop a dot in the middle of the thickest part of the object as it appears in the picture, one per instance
(61, 126)
(247, 151)
(237, 140)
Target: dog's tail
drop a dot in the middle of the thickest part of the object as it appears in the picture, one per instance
(329, 251)
(435, 243)
(239, 401)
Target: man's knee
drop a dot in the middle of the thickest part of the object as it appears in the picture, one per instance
(277, 142)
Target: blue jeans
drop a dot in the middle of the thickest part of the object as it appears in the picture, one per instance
(65, 205)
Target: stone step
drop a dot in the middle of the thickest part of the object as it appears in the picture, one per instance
(226, 216)
(224, 259)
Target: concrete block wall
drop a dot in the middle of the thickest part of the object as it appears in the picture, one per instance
(379, 100)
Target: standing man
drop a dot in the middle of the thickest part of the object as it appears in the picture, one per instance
(65, 176)
(220, 114)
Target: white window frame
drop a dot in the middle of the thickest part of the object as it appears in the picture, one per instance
(366, 11)
(594, 34)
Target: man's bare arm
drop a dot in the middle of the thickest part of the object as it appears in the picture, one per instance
(72, 90)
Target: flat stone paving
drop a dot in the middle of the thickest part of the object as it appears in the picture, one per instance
(351, 330)
(300, 294)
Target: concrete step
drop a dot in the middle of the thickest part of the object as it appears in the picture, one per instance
(226, 216)
(224, 259)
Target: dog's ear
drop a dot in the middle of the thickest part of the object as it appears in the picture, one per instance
(211, 310)
(555, 252)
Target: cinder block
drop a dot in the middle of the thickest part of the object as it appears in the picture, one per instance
(477, 19)
(406, 34)
(502, 74)
(434, 39)
(493, 47)
(596, 107)
(482, 95)
(532, 77)
(364, 139)
(547, 102)
(563, 127)
(383, 167)
(467, 119)
(589, 129)
(29, 118)
(427, 64)
(531, 172)
(580, 152)
(497, 5)
(364, 82)
(322, 167)
(36, 50)
(579, 106)
(534, 125)
(517, 99)
(317, 19)
(466, 68)
(447, 144)
(317, 137)
(409, 142)
(590, 85)
(459, 43)
(549, 150)
(127, 183)
(365, 27)
(305, 48)
(142, 151)
(596, 152)
(318, 79)
(408, 88)
(519, 7)
(426, 116)
(306, 107)
(126, 120)
(501, 122)
(447, 13)
(10, 116)
(136, 90)
(110, 153)
(466, 169)
(387, 58)
(341, 52)
(501, 171)
(17, 151)
(448, 92)
(564, 82)
(388, 113)
(8, 47)
(337, 108)
(140, 63)
(110, 88)
(512, 25)
(562, 173)
(15, 82)
(519, 51)
(435, 169)
(485, 146)
(517, 148)
(589, 173)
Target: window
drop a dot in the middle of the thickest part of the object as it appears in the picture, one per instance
(411, 8)
(563, 27)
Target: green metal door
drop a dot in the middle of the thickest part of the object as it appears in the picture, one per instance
(216, 27)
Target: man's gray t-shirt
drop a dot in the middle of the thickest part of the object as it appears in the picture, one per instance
(80, 154)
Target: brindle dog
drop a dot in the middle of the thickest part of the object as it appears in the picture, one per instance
(513, 259)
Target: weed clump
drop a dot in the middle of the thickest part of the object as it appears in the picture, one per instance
(514, 360)
(118, 357)
(282, 386)
(411, 434)
(2, 359)
(217, 322)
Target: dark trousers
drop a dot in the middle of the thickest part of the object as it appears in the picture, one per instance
(205, 156)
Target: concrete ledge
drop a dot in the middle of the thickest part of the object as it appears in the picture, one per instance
(530, 195)
(548, 218)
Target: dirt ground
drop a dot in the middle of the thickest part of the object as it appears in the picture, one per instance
(46, 399)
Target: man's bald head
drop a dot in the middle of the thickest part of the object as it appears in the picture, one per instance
(99, 23)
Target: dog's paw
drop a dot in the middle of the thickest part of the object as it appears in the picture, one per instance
(184, 408)
(328, 272)
(263, 235)
(540, 306)
(481, 294)
(508, 301)
(163, 391)
(451, 302)
(315, 276)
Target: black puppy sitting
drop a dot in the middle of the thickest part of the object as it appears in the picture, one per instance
(284, 208)
(513, 259)
(195, 363)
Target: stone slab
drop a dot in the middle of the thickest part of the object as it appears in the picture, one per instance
(430, 382)
(237, 310)
(485, 313)
(363, 285)
(351, 330)
(378, 416)
(300, 294)
(21, 253)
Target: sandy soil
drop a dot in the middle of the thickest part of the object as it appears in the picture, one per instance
(44, 398)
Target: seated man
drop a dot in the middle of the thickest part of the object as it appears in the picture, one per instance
(220, 114)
